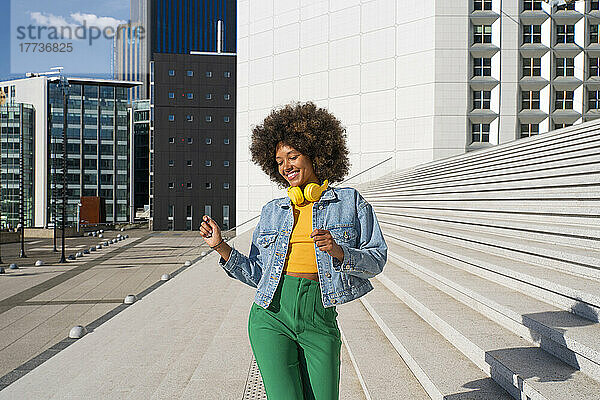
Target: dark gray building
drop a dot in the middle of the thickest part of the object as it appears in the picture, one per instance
(192, 145)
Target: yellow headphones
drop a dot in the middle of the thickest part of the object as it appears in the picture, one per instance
(312, 192)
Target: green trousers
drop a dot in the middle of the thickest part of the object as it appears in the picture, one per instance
(296, 343)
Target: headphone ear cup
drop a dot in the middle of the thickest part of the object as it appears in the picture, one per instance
(295, 194)
(312, 192)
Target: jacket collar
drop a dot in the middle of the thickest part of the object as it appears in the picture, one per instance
(328, 195)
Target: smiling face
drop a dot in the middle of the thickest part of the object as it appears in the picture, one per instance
(294, 166)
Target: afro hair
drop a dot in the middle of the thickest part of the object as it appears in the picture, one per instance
(312, 131)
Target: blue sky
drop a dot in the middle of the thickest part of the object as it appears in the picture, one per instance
(85, 59)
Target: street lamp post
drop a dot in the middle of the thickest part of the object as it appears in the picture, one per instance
(78, 208)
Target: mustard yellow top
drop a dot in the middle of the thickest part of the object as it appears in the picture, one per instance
(301, 257)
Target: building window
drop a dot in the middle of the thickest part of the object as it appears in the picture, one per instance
(565, 66)
(532, 67)
(189, 185)
(171, 72)
(482, 66)
(188, 218)
(226, 119)
(171, 95)
(208, 140)
(568, 6)
(190, 72)
(208, 96)
(594, 33)
(171, 140)
(227, 74)
(209, 74)
(565, 34)
(480, 5)
(226, 163)
(564, 100)
(189, 118)
(226, 141)
(483, 34)
(594, 99)
(480, 133)
(225, 217)
(481, 99)
(208, 118)
(532, 4)
(532, 34)
(208, 210)
(560, 126)
(530, 100)
(171, 185)
(226, 185)
(171, 163)
(171, 217)
(190, 96)
(189, 163)
(594, 5)
(528, 130)
(190, 140)
(227, 96)
(171, 117)
(207, 163)
(208, 185)
(594, 66)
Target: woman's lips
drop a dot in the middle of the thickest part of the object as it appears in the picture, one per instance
(292, 175)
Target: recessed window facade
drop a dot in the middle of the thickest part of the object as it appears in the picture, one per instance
(594, 66)
(227, 74)
(208, 140)
(593, 99)
(171, 117)
(171, 163)
(171, 72)
(171, 95)
(482, 5)
(594, 28)
(565, 34)
(530, 100)
(532, 34)
(532, 5)
(564, 100)
(480, 133)
(528, 130)
(190, 96)
(190, 72)
(208, 118)
(482, 66)
(207, 163)
(226, 163)
(481, 99)
(532, 67)
(208, 74)
(565, 66)
(482, 34)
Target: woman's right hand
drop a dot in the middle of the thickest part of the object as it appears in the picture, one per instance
(210, 231)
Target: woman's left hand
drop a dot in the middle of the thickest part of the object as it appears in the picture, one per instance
(325, 242)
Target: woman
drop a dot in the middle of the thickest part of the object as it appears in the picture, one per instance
(310, 251)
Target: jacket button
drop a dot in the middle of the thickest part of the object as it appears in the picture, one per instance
(328, 275)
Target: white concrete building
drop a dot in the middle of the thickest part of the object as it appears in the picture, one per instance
(415, 81)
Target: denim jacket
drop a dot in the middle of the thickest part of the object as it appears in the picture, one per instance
(354, 227)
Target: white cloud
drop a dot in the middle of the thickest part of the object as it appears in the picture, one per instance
(94, 20)
(76, 19)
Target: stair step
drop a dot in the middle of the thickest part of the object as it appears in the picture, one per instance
(442, 370)
(567, 336)
(370, 349)
(496, 160)
(571, 292)
(538, 228)
(508, 358)
(570, 258)
(582, 212)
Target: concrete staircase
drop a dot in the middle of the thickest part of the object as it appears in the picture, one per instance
(492, 286)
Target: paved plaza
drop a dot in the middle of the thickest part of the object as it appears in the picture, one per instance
(39, 305)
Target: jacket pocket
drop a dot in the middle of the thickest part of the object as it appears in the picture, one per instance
(343, 234)
(266, 239)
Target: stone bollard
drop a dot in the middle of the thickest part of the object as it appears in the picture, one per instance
(86, 251)
(39, 263)
(13, 266)
(98, 246)
(188, 263)
(130, 299)
(203, 253)
(79, 254)
(2, 271)
(100, 235)
(71, 257)
(77, 332)
(92, 248)
(165, 277)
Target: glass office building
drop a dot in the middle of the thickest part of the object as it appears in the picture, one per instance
(17, 122)
(97, 146)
